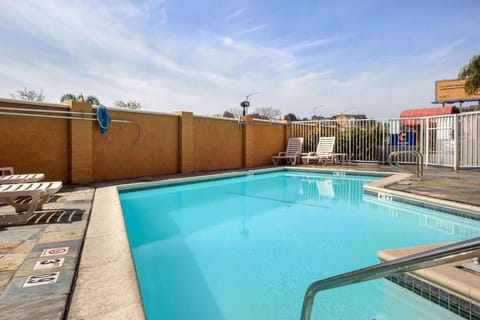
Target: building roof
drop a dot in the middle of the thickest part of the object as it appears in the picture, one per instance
(427, 112)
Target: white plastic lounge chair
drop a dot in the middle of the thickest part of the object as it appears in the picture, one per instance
(19, 194)
(293, 152)
(21, 178)
(324, 151)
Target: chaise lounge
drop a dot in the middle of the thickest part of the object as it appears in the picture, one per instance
(7, 176)
(28, 196)
(292, 154)
(323, 153)
(21, 178)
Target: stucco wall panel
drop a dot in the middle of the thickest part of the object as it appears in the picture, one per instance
(32, 144)
(217, 144)
(268, 140)
(120, 154)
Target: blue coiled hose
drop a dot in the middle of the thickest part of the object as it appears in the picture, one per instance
(103, 118)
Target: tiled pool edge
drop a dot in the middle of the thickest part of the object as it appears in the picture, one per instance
(216, 176)
(437, 295)
(207, 177)
(106, 286)
(459, 209)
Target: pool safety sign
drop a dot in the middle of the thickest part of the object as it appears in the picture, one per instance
(41, 279)
(403, 139)
(54, 251)
(49, 263)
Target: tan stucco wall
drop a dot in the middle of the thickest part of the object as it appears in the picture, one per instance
(269, 139)
(217, 144)
(31, 144)
(74, 151)
(122, 153)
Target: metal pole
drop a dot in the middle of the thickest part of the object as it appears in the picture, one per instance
(455, 142)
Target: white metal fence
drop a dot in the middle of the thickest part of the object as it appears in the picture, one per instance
(449, 140)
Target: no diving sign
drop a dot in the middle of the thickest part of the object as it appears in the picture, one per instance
(54, 251)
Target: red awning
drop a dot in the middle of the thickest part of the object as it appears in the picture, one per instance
(425, 112)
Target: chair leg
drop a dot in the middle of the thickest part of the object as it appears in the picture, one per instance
(35, 202)
(23, 204)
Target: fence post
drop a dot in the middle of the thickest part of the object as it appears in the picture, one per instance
(455, 142)
(426, 121)
(81, 145)
(185, 142)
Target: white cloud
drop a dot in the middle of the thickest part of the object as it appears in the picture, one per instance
(107, 49)
(235, 14)
(313, 43)
(250, 30)
(151, 5)
(443, 51)
(227, 41)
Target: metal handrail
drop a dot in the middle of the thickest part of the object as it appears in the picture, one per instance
(418, 156)
(434, 257)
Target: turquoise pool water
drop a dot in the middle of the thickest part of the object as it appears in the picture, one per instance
(248, 247)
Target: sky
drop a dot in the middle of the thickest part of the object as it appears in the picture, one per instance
(373, 57)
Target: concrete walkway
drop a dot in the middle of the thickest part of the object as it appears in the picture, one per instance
(45, 248)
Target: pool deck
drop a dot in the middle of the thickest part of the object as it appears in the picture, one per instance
(69, 214)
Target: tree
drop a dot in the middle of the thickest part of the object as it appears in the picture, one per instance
(267, 113)
(80, 98)
(130, 104)
(315, 117)
(228, 114)
(257, 115)
(290, 116)
(232, 113)
(471, 73)
(28, 95)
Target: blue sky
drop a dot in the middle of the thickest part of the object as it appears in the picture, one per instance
(375, 57)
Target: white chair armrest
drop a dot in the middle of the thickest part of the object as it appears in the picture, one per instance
(6, 170)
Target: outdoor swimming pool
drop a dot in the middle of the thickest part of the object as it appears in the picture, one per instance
(248, 247)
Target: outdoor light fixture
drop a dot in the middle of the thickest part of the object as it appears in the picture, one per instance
(245, 104)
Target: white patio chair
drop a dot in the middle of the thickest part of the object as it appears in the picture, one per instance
(28, 196)
(21, 178)
(292, 154)
(323, 153)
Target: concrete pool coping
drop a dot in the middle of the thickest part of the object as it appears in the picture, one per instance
(107, 286)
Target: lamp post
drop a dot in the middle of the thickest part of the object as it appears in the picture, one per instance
(245, 104)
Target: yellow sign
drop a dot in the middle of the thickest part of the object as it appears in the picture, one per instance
(453, 90)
